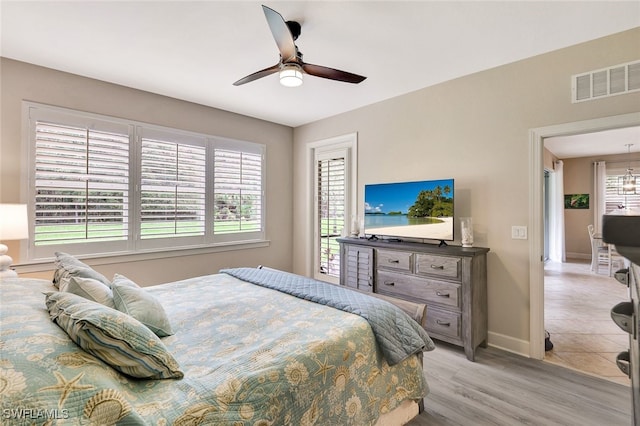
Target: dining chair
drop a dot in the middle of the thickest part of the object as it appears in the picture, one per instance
(616, 260)
(600, 252)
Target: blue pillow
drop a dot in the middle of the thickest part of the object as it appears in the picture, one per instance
(112, 336)
(68, 266)
(91, 289)
(129, 298)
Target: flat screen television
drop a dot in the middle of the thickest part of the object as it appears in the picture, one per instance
(410, 210)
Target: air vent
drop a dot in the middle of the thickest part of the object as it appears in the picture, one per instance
(616, 80)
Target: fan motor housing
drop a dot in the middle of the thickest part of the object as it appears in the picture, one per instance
(295, 29)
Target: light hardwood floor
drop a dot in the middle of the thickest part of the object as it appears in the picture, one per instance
(577, 315)
(578, 384)
(504, 389)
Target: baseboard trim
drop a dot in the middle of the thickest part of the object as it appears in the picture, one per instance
(571, 255)
(509, 344)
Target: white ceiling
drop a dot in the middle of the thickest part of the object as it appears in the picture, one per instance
(196, 50)
(607, 142)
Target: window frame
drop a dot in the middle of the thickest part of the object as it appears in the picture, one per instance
(133, 245)
(613, 198)
(347, 147)
(171, 136)
(325, 181)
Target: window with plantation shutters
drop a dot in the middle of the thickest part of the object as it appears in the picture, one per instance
(237, 191)
(81, 184)
(331, 198)
(615, 197)
(334, 201)
(172, 189)
(104, 185)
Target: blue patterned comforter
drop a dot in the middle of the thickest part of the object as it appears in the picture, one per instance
(250, 356)
(397, 334)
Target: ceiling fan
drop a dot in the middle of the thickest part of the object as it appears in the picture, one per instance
(291, 66)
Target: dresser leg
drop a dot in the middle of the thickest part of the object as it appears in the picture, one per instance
(470, 352)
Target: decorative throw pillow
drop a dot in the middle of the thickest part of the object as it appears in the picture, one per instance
(117, 339)
(140, 304)
(91, 289)
(68, 266)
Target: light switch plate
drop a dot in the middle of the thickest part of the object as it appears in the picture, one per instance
(519, 232)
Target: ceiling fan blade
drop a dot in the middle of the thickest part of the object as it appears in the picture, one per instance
(258, 74)
(281, 34)
(332, 74)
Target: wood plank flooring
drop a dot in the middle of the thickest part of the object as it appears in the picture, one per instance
(501, 388)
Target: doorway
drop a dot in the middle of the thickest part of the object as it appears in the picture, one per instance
(537, 216)
(577, 300)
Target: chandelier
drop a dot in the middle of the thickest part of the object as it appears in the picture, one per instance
(628, 182)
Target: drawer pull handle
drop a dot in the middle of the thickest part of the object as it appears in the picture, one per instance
(390, 283)
(437, 266)
(441, 294)
(443, 323)
(393, 261)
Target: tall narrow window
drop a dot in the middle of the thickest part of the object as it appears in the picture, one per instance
(334, 177)
(331, 212)
(173, 178)
(237, 191)
(81, 184)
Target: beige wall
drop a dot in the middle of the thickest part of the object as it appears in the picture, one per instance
(476, 130)
(578, 179)
(20, 81)
(548, 160)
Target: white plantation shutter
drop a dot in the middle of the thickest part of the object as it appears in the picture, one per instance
(109, 185)
(237, 191)
(614, 197)
(172, 200)
(334, 193)
(331, 198)
(81, 184)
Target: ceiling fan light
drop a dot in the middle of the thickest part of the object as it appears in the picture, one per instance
(291, 75)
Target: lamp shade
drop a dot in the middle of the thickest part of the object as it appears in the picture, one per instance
(13, 222)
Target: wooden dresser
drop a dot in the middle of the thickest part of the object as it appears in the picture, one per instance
(450, 280)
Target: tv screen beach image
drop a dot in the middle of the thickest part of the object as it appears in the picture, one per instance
(421, 210)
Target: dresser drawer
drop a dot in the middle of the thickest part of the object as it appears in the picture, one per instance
(391, 259)
(438, 266)
(412, 287)
(444, 323)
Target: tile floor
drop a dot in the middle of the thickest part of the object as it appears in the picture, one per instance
(577, 314)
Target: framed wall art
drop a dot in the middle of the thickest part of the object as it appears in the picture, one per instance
(576, 201)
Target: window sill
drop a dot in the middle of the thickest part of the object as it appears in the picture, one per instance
(113, 258)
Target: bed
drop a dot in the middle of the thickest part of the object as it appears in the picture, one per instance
(233, 352)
